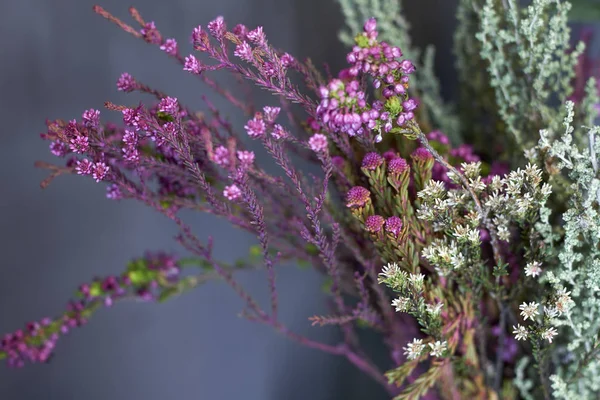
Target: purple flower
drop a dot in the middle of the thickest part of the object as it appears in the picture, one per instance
(150, 33)
(374, 223)
(393, 225)
(192, 65)
(126, 83)
(397, 166)
(169, 47)
(79, 144)
(58, 149)
(421, 154)
(217, 28)
(358, 196)
(257, 36)
(100, 171)
(232, 192)
(318, 143)
(287, 60)
(169, 105)
(84, 167)
(372, 161)
(256, 126)
(91, 118)
(244, 51)
(113, 192)
(246, 157)
(221, 156)
(271, 113)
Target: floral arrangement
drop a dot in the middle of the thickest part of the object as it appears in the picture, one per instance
(478, 263)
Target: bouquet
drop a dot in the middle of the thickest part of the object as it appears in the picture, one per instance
(466, 234)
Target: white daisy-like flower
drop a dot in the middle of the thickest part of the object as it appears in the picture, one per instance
(389, 270)
(413, 350)
(533, 269)
(416, 280)
(549, 334)
(520, 332)
(528, 311)
(438, 348)
(401, 304)
(551, 312)
(563, 301)
(434, 308)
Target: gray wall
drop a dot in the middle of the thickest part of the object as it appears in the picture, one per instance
(57, 59)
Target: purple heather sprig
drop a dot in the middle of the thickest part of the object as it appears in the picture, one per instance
(344, 106)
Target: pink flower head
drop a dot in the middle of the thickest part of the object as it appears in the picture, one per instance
(169, 105)
(100, 171)
(358, 196)
(393, 225)
(245, 157)
(421, 154)
(287, 60)
(192, 65)
(257, 36)
(169, 47)
(256, 126)
(271, 113)
(374, 223)
(217, 27)
(397, 166)
(150, 33)
(232, 192)
(84, 167)
(91, 118)
(126, 83)
(221, 156)
(318, 143)
(244, 51)
(372, 161)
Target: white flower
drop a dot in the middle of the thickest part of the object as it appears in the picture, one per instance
(533, 269)
(434, 309)
(388, 271)
(528, 311)
(520, 332)
(551, 312)
(438, 348)
(401, 304)
(563, 301)
(416, 280)
(549, 334)
(413, 350)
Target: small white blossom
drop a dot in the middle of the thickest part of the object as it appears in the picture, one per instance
(528, 311)
(563, 301)
(416, 280)
(434, 309)
(388, 271)
(533, 269)
(438, 348)
(413, 350)
(551, 312)
(401, 304)
(520, 332)
(549, 334)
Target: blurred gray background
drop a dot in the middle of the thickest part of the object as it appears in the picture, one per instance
(59, 58)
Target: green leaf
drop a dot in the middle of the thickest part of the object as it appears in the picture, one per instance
(163, 116)
(255, 251)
